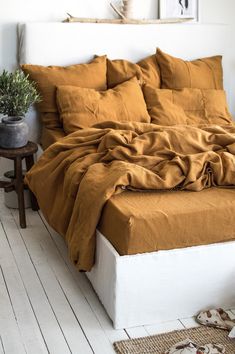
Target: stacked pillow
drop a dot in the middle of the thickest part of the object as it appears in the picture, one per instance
(160, 89)
(47, 78)
(187, 106)
(205, 73)
(177, 91)
(146, 71)
(191, 92)
(92, 75)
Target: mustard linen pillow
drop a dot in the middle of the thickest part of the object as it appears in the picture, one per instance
(205, 73)
(150, 71)
(187, 106)
(146, 71)
(47, 78)
(81, 107)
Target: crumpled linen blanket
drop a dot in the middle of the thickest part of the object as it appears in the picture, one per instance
(76, 176)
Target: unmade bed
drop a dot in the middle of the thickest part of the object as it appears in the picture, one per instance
(151, 238)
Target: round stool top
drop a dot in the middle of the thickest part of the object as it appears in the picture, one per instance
(26, 150)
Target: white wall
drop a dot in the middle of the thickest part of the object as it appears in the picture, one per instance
(14, 11)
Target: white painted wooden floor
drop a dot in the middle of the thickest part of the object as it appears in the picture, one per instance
(46, 306)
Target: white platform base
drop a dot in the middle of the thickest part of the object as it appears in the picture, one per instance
(162, 286)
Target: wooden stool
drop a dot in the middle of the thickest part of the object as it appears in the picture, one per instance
(17, 183)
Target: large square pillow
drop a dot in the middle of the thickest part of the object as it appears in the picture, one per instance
(47, 78)
(150, 71)
(51, 136)
(187, 106)
(146, 71)
(205, 73)
(80, 107)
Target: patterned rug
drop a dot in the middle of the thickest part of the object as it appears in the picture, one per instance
(158, 344)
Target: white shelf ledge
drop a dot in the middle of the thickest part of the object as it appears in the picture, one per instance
(72, 19)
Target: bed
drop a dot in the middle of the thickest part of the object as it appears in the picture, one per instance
(151, 287)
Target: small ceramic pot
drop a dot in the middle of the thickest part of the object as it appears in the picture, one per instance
(127, 8)
(13, 132)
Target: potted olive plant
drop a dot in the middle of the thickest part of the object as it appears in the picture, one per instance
(17, 94)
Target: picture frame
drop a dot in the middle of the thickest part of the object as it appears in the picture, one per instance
(179, 9)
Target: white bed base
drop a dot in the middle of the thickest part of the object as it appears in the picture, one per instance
(159, 286)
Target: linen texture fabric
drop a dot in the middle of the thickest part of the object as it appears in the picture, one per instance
(81, 107)
(204, 73)
(50, 136)
(150, 71)
(187, 106)
(146, 71)
(91, 165)
(139, 222)
(47, 78)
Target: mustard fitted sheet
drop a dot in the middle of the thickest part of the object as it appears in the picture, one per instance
(138, 222)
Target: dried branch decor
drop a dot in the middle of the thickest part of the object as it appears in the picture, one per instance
(72, 19)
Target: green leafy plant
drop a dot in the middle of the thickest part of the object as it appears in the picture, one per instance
(17, 93)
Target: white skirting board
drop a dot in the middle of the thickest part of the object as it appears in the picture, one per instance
(161, 286)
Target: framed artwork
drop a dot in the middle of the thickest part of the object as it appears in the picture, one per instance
(179, 9)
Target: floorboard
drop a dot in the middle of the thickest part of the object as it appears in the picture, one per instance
(60, 307)
(44, 250)
(164, 327)
(19, 299)
(8, 326)
(50, 331)
(2, 350)
(189, 322)
(137, 332)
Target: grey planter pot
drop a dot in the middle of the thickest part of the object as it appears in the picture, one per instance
(13, 132)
